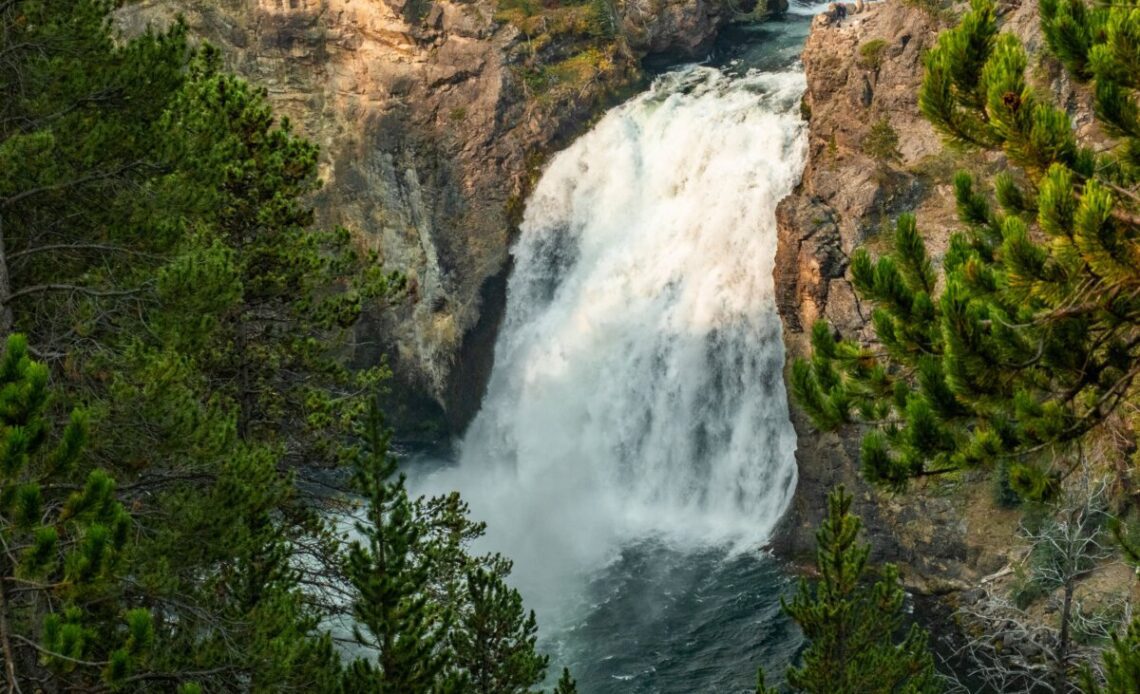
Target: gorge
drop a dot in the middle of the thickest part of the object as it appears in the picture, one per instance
(582, 460)
(488, 345)
(633, 451)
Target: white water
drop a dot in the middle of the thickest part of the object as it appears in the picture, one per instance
(637, 387)
(808, 9)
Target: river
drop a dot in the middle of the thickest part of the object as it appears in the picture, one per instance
(633, 451)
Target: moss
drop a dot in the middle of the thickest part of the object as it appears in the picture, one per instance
(542, 25)
(567, 77)
(581, 68)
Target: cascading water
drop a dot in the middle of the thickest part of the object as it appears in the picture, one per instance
(636, 414)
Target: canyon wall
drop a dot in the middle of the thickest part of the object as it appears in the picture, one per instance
(846, 198)
(433, 118)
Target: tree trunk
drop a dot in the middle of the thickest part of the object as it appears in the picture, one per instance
(6, 642)
(1061, 657)
(5, 288)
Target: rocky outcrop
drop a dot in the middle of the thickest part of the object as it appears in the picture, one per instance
(864, 69)
(433, 117)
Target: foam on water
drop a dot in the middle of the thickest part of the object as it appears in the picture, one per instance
(807, 9)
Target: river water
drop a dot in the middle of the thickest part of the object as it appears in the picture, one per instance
(633, 451)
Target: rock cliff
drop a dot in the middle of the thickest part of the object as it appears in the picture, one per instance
(433, 117)
(864, 71)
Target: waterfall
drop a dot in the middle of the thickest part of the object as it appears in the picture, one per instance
(637, 389)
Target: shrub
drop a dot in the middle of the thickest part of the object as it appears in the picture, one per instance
(882, 142)
(871, 54)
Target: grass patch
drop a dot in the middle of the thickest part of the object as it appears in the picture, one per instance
(569, 74)
(931, 7)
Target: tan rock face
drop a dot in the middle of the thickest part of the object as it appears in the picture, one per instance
(846, 195)
(430, 136)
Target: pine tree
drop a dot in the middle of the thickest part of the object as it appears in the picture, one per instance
(1122, 658)
(494, 638)
(77, 145)
(150, 219)
(1121, 665)
(852, 626)
(1033, 338)
(62, 613)
(394, 614)
(157, 248)
(437, 617)
(566, 683)
(288, 291)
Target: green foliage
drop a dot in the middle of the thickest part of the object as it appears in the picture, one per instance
(853, 627)
(1122, 659)
(495, 639)
(871, 54)
(1026, 589)
(1031, 340)
(1121, 665)
(393, 615)
(566, 683)
(438, 618)
(603, 22)
(1004, 494)
(157, 251)
(64, 550)
(882, 142)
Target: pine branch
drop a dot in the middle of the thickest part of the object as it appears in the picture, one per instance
(78, 247)
(79, 289)
(54, 187)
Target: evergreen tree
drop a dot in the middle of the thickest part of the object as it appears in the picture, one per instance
(154, 247)
(566, 683)
(1033, 338)
(1121, 665)
(1122, 659)
(63, 619)
(393, 611)
(853, 626)
(436, 617)
(495, 638)
(288, 291)
(492, 639)
(77, 145)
